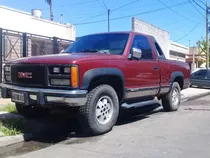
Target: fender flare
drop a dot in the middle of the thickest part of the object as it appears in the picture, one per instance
(100, 72)
(174, 75)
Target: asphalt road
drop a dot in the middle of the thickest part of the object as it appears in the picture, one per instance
(181, 134)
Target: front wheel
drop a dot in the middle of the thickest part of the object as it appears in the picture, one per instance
(101, 111)
(172, 100)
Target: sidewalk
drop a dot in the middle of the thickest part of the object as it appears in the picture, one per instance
(193, 93)
(4, 101)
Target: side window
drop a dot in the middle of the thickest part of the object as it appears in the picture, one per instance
(158, 49)
(208, 75)
(141, 42)
(199, 74)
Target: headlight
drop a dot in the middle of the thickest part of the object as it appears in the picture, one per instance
(67, 70)
(56, 70)
(7, 73)
(60, 82)
(59, 70)
(63, 75)
(7, 68)
(7, 78)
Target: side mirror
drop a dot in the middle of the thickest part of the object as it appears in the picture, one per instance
(136, 53)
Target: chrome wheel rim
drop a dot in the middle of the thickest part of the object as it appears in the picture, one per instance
(175, 97)
(104, 110)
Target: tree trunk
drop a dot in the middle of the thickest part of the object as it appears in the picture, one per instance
(51, 12)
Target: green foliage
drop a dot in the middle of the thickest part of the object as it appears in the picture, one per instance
(11, 127)
(202, 46)
(9, 108)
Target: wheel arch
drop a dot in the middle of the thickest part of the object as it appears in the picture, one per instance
(177, 76)
(111, 76)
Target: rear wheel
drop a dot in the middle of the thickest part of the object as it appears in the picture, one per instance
(32, 111)
(172, 100)
(101, 111)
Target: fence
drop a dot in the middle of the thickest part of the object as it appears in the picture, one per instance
(15, 44)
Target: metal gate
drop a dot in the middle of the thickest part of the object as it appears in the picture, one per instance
(14, 45)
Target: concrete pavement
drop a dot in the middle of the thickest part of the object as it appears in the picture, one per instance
(192, 93)
(185, 133)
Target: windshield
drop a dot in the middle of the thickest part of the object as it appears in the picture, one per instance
(111, 43)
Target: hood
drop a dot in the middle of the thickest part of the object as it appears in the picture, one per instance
(65, 58)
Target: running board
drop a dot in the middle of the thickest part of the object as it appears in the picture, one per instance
(139, 104)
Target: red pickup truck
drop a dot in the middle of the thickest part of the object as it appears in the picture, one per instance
(97, 75)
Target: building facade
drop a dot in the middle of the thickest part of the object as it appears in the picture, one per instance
(20, 21)
(30, 33)
(196, 59)
(172, 50)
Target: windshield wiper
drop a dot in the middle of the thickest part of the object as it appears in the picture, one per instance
(95, 50)
(89, 50)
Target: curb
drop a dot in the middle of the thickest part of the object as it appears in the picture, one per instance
(11, 140)
(195, 97)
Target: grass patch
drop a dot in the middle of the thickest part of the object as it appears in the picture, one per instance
(11, 127)
(9, 108)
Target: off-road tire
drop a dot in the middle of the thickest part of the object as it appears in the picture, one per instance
(167, 100)
(32, 111)
(87, 113)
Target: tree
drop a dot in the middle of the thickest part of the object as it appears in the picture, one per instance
(49, 2)
(202, 48)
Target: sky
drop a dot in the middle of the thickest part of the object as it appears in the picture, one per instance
(184, 21)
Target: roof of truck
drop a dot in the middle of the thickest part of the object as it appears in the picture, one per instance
(126, 32)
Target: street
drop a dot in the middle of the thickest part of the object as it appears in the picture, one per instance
(185, 133)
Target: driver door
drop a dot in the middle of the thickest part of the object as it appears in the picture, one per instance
(144, 73)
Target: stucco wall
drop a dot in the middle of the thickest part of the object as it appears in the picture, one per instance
(22, 21)
(179, 49)
(163, 37)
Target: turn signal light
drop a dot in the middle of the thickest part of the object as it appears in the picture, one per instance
(74, 76)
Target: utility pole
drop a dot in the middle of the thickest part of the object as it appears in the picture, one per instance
(108, 20)
(207, 36)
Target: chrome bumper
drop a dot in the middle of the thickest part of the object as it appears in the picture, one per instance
(43, 96)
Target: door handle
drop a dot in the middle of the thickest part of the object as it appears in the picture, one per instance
(155, 67)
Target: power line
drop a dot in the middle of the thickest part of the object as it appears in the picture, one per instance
(117, 8)
(139, 6)
(198, 5)
(175, 11)
(110, 10)
(202, 2)
(104, 5)
(78, 3)
(188, 32)
(189, 11)
(94, 16)
(171, 23)
(125, 5)
(197, 9)
(142, 13)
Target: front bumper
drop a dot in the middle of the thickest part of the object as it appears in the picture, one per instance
(41, 96)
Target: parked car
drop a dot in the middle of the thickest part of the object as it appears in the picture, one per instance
(200, 78)
(97, 75)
